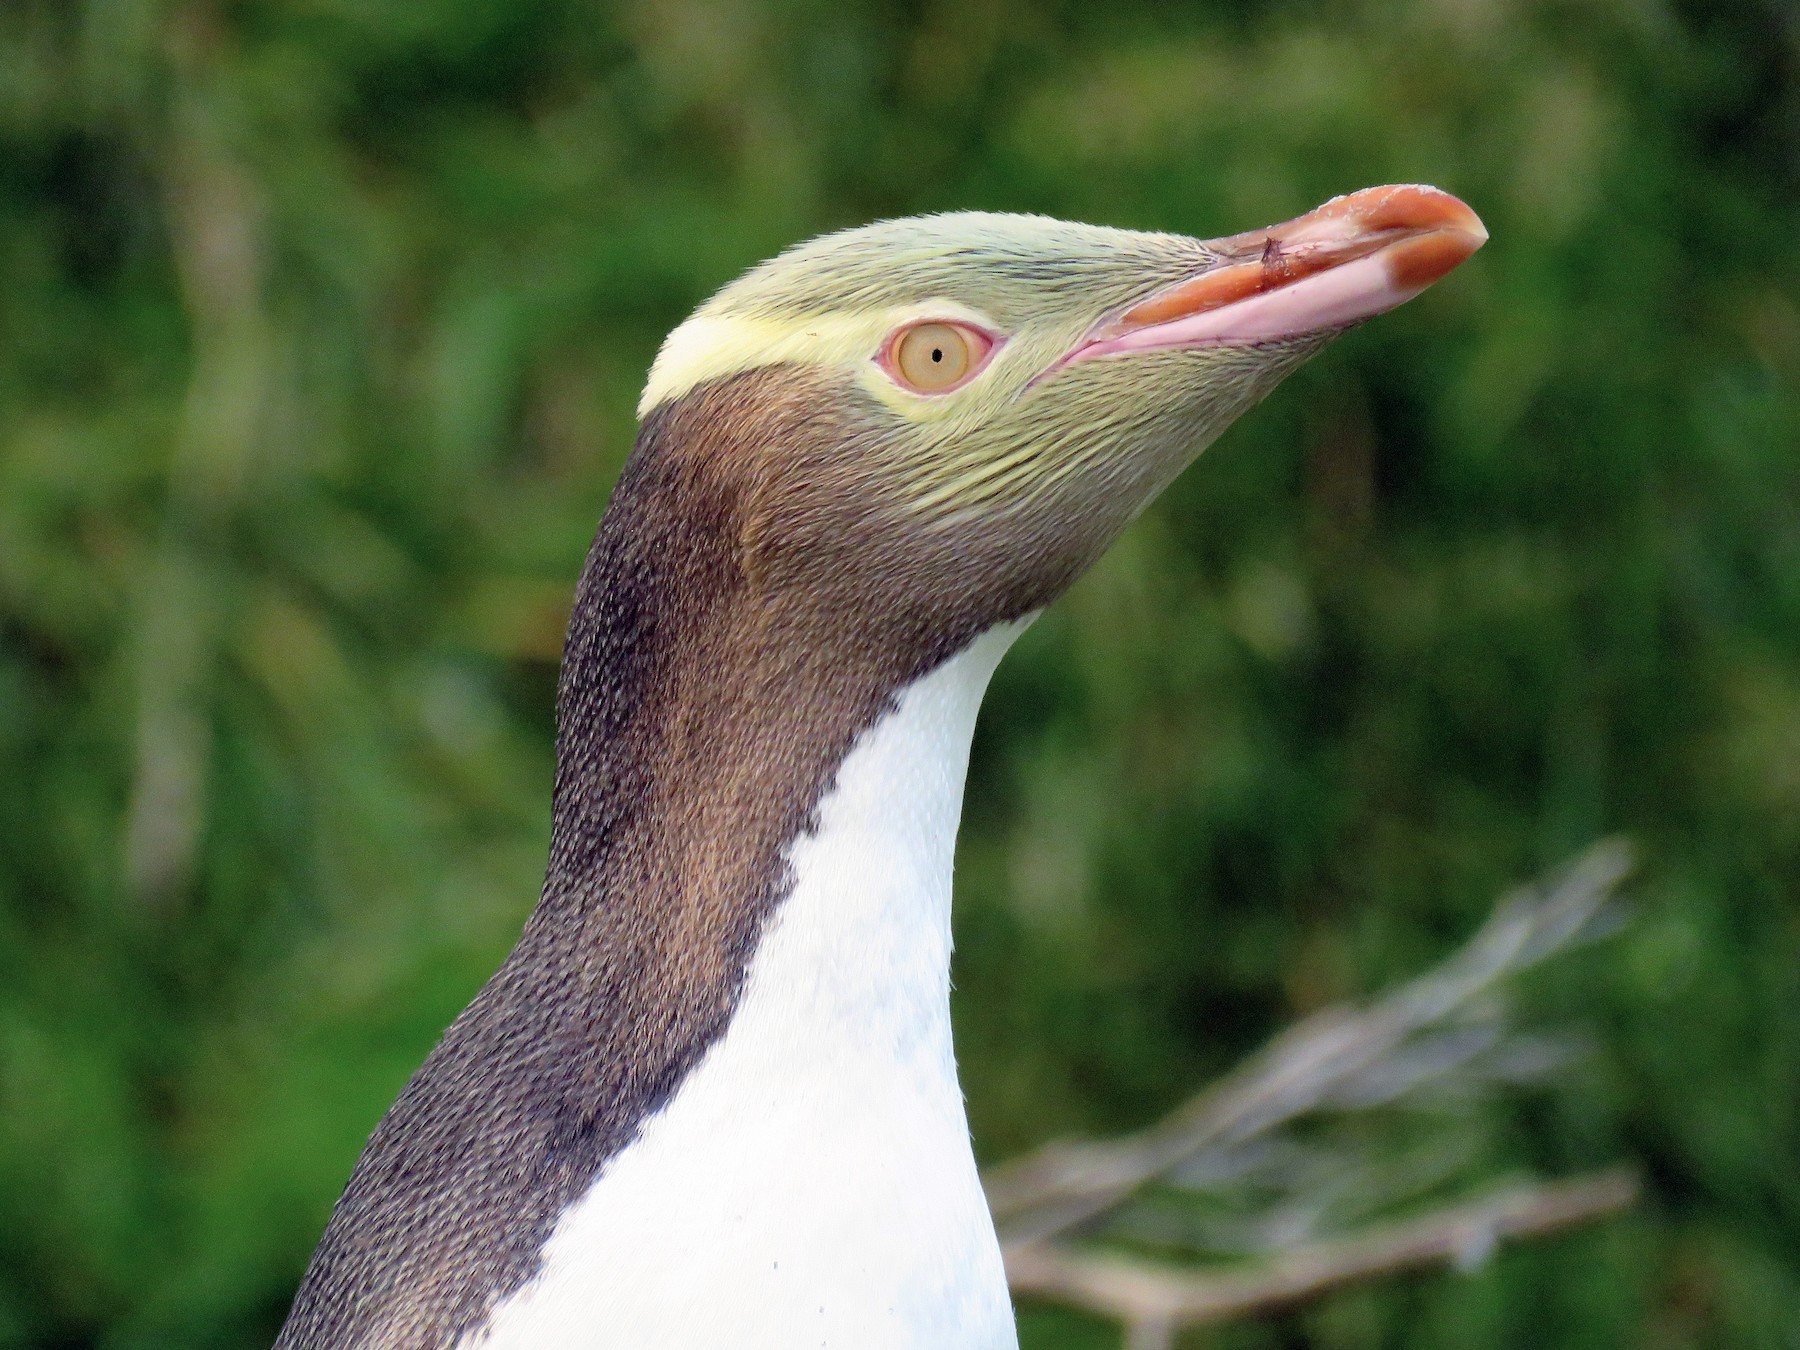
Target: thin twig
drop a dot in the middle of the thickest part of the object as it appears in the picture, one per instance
(1154, 1300)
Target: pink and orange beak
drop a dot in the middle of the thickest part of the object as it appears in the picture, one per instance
(1352, 258)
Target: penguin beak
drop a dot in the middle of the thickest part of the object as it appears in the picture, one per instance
(1353, 258)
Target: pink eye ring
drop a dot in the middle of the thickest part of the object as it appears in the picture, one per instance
(936, 356)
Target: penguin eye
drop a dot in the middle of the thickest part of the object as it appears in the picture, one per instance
(936, 356)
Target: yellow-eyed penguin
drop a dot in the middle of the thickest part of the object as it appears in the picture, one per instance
(710, 1098)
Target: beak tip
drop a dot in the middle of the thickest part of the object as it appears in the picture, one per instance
(1445, 231)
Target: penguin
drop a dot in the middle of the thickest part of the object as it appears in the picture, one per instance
(710, 1098)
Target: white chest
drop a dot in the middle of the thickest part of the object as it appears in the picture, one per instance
(811, 1183)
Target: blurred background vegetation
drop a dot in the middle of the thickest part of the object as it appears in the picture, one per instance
(321, 323)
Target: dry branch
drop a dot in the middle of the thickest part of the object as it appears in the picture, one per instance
(1144, 1294)
(1445, 1031)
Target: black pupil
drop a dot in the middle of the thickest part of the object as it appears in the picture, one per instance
(937, 353)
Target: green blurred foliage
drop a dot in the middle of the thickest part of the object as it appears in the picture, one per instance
(321, 328)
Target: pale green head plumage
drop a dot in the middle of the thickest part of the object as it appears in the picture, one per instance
(1019, 428)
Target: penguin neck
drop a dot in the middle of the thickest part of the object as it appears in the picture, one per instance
(796, 815)
(812, 1168)
(739, 765)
